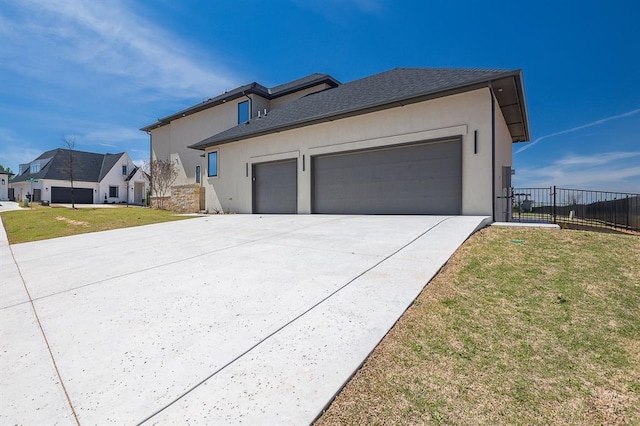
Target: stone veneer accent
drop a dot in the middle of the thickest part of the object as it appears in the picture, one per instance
(183, 199)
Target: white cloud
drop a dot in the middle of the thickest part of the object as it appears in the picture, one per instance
(108, 134)
(596, 159)
(15, 151)
(610, 171)
(101, 41)
(575, 129)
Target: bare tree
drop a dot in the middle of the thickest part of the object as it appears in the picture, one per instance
(163, 173)
(70, 143)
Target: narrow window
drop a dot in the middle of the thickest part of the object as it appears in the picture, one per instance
(243, 112)
(124, 170)
(113, 192)
(213, 164)
(197, 174)
(35, 167)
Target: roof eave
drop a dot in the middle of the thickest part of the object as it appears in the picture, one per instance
(327, 79)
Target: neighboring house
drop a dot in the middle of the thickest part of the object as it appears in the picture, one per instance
(406, 141)
(97, 178)
(4, 185)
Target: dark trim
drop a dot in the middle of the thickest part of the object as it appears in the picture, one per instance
(248, 102)
(217, 152)
(303, 162)
(475, 141)
(493, 152)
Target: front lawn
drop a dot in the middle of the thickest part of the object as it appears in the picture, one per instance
(522, 326)
(41, 223)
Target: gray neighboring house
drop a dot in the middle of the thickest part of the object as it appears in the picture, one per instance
(405, 141)
(97, 178)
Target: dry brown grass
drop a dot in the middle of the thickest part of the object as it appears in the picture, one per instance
(544, 331)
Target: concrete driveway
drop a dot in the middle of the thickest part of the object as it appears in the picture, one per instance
(215, 320)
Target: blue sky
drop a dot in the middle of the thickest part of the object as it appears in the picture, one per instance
(100, 70)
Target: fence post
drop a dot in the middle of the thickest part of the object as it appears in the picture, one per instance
(626, 226)
(553, 194)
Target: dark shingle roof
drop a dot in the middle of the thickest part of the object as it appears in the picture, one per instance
(392, 88)
(301, 83)
(87, 166)
(252, 88)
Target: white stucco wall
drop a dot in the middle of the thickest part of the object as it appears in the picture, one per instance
(115, 178)
(172, 140)
(457, 115)
(4, 186)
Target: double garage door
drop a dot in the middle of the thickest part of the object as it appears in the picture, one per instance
(420, 178)
(60, 194)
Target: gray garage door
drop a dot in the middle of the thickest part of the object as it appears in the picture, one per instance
(424, 178)
(275, 188)
(61, 194)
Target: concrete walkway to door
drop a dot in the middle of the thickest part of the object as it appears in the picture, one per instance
(215, 320)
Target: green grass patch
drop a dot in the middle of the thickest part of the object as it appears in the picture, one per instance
(41, 223)
(542, 331)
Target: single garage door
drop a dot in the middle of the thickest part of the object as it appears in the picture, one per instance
(60, 194)
(275, 188)
(421, 178)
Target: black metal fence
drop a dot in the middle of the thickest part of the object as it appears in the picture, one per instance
(576, 207)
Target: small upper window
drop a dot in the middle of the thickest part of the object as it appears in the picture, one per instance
(35, 168)
(197, 174)
(113, 192)
(243, 112)
(124, 170)
(213, 164)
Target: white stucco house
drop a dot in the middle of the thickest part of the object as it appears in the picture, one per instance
(4, 185)
(406, 141)
(97, 178)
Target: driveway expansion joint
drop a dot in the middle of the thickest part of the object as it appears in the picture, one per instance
(288, 323)
(46, 341)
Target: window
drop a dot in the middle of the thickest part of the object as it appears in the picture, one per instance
(243, 112)
(113, 192)
(213, 164)
(35, 167)
(124, 170)
(197, 174)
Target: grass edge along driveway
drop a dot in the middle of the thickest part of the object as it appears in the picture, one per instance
(41, 223)
(522, 326)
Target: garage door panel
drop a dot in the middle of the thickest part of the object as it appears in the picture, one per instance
(275, 188)
(423, 178)
(60, 194)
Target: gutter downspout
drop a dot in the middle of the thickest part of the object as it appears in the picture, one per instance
(493, 151)
(250, 105)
